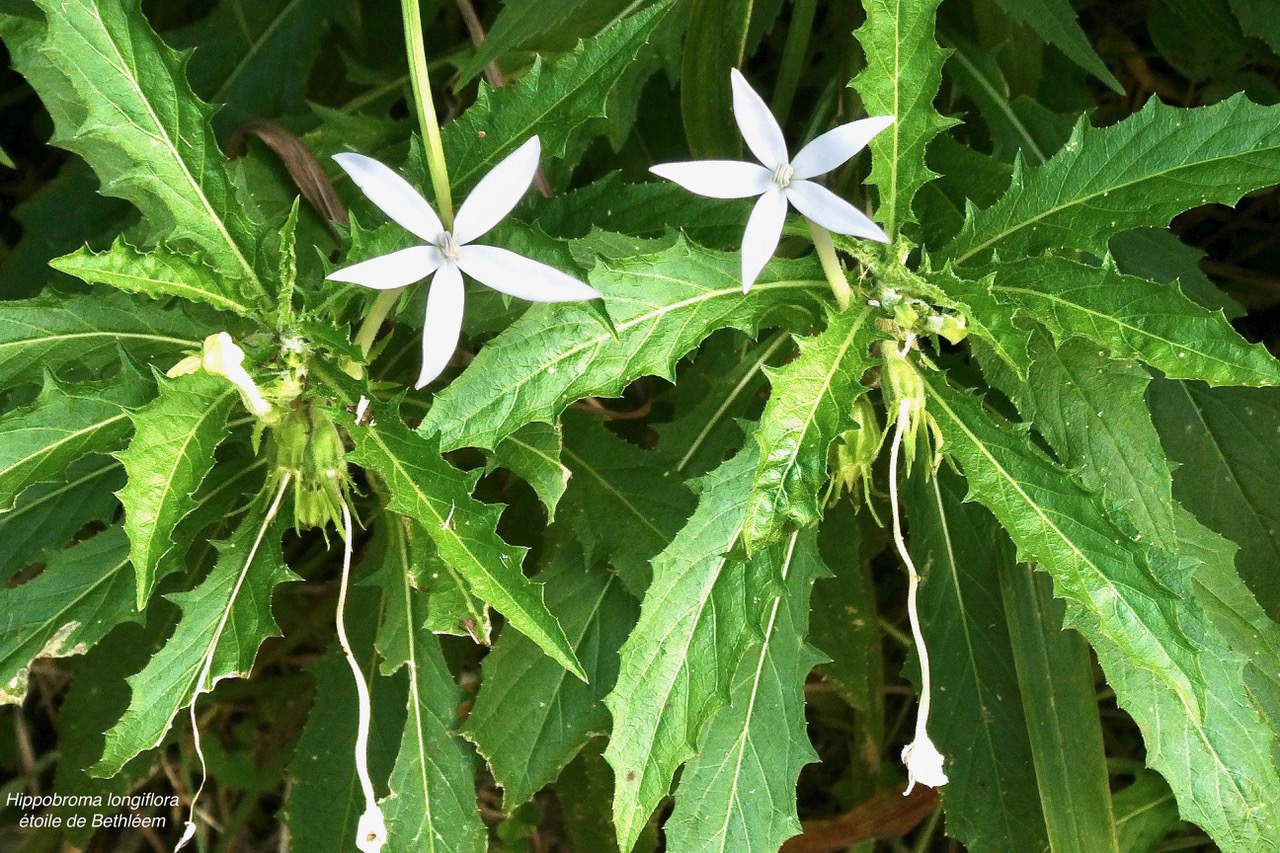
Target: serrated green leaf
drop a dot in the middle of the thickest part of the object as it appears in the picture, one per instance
(716, 41)
(1258, 20)
(529, 718)
(583, 790)
(987, 320)
(622, 505)
(1055, 22)
(1134, 318)
(1142, 171)
(1097, 568)
(739, 792)
(811, 404)
(48, 515)
(172, 449)
(662, 306)
(702, 611)
(1223, 440)
(158, 273)
(1055, 678)
(1174, 663)
(57, 332)
(1157, 254)
(977, 719)
(428, 489)
(533, 454)
(432, 801)
(224, 620)
(1091, 410)
(67, 422)
(134, 118)
(901, 79)
(325, 799)
(548, 102)
(239, 45)
(65, 609)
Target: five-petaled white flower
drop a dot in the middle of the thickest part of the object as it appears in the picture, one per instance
(781, 179)
(449, 254)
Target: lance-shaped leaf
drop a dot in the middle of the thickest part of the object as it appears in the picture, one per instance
(1055, 22)
(224, 620)
(1134, 318)
(533, 453)
(432, 801)
(428, 489)
(239, 45)
(723, 386)
(550, 103)
(530, 718)
(171, 453)
(622, 505)
(1092, 411)
(48, 515)
(135, 120)
(325, 799)
(54, 332)
(158, 273)
(67, 422)
(662, 305)
(1141, 171)
(739, 792)
(1178, 666)
(1054, 521)
(901, 79)
(82, 594)
(977, 719)
(701, 612)
(1223, 440)
(811, 404)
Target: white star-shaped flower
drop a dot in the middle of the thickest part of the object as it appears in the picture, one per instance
(781, 178)
(449, 254)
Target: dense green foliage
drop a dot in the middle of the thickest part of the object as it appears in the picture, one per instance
(624, 576)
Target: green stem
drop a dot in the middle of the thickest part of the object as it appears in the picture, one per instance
(830, 264)
(373, 320)
(793, 53)
(427, 110)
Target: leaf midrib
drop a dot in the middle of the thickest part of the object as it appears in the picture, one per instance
(164, 139)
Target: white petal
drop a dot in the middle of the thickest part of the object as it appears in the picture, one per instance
(387, 272)
(764, 229)
(497, 193)
(717, 178)
(924, 764)
(836, 146)
(393, 195)
(759, 127)
(443, 325)
(832, 212)
(507, 272)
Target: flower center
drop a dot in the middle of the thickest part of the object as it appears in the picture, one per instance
(782, 175)
(449, 248)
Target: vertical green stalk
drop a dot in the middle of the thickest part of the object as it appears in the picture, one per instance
(830, 263)
(793, 53)
(427, 110)
(436, 164)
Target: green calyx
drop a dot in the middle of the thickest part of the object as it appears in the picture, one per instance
(904, 394)
(309, 449)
